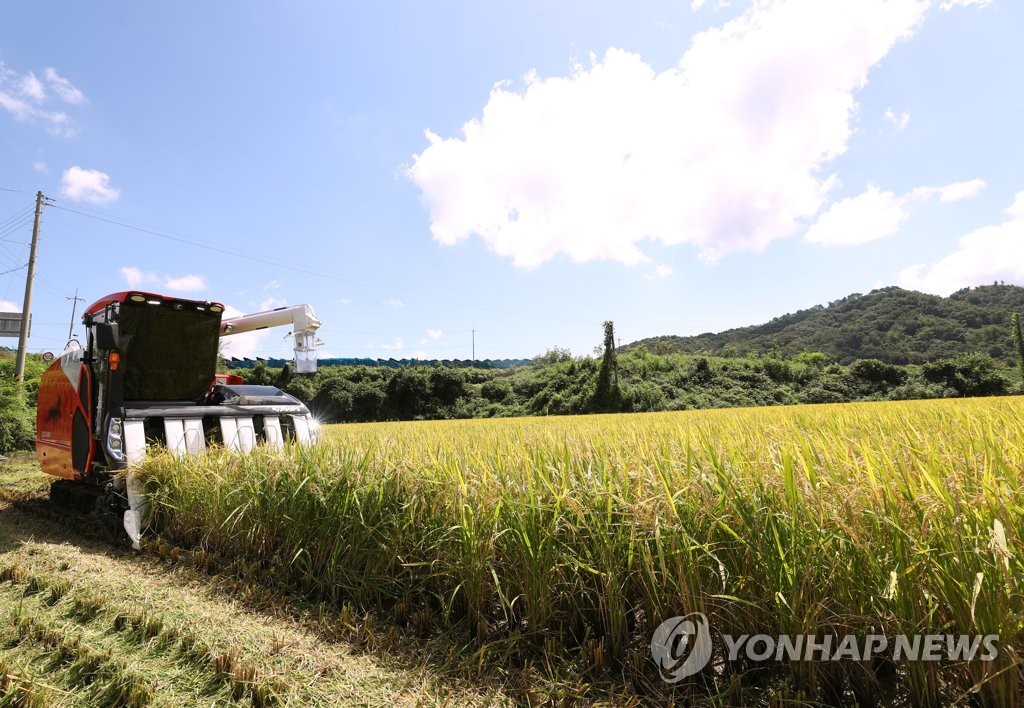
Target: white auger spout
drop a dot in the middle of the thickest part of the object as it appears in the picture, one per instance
(305, 324)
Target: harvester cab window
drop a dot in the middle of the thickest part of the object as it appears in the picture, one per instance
(168, 352)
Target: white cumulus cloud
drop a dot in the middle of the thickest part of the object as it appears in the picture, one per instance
(961, 190)
(62, 87)
(31, 87)
(8, 306)
(660, 273)
(82, 185)
(242, 345)
(185, 283)
(272, 303)
(26, 97)
(726, 151)
(898, 122)
(395, 303)
(875, 214)
(435, 333)
(950, 4)
(988, 254)
(866, 217)
(138, 278)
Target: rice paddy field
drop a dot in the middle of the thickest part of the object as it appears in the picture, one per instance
(549, 549)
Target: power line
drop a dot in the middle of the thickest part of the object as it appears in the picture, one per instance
(8, 229)
(277, 263)
(13, 217)
(10, 282)
(419, 333)
(171, 236)
(11, 270)
(5, 253)
(49, 287)
(15, 260)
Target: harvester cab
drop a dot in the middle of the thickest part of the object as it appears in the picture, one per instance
(146, 376)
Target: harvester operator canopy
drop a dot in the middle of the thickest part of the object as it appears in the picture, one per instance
(168, 348)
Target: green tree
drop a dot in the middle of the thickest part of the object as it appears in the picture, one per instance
(968, 375)
(367, 400)
(333, 402)
(553, 356)
(876, 376)
(496, 390)
(1018, 343)
(408, 392)
(447, 385)
(607, 396)
(17, 419)
(261, 374)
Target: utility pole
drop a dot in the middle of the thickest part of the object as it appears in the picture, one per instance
(74, 304)
(26, 310)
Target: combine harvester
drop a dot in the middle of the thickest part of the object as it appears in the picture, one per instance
(147, 376)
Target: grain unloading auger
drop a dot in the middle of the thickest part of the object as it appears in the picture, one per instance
(146, 375)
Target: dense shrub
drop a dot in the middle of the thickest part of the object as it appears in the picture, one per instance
(17, 419)
(876, 376)
(496, 390)
(557, 384)
(18, 402)
(968, 375)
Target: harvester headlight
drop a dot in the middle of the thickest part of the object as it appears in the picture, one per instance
(115, 444)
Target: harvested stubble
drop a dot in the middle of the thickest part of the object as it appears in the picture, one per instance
(579, 535)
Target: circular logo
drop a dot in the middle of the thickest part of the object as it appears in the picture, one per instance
(47, 357)
(681, 646)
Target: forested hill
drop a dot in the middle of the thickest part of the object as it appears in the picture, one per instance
(891, 324)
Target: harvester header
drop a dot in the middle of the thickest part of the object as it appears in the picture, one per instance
(145, 376)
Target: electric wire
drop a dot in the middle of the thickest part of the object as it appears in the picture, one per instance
(420, 333)
(13, 226)
(19, 215)
(161, 233)
(43, 282)
(11, 270)
(50, 287)
(8, 255)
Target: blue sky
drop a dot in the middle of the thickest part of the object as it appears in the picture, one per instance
(416, 171)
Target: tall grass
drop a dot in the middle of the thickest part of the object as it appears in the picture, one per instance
(577, 536)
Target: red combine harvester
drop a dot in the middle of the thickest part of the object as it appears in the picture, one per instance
(147, 376)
